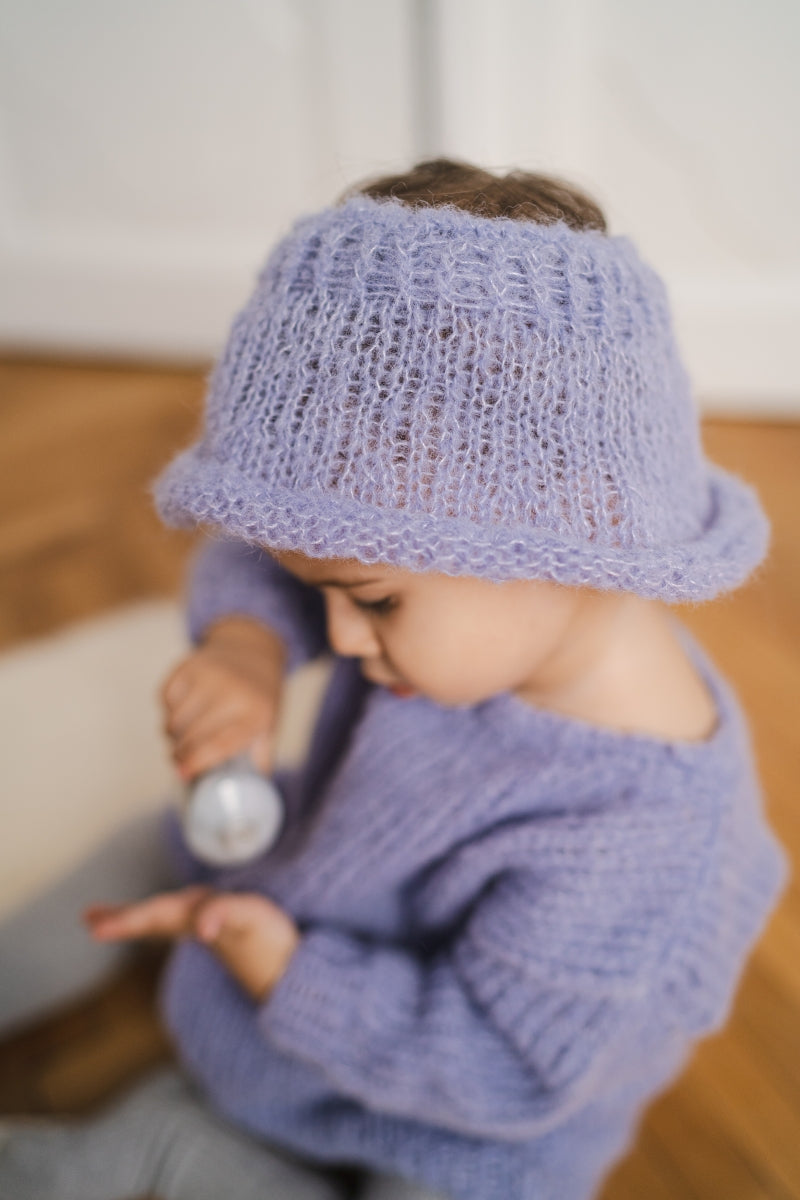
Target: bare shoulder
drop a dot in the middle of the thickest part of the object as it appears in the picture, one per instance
(676, 703)
(657, 690)
(686, 710)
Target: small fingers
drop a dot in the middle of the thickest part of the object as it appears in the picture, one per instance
(202, 716)
(230, 914)
(209, 920)
(194, 707)
(168, 914)
(195, 756)
(179, 681)
(261, 751)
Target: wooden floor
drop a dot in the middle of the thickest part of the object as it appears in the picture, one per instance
(78, 444)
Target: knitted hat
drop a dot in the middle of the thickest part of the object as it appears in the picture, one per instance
(470, 395)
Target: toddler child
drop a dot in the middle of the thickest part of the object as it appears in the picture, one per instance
(450, 440)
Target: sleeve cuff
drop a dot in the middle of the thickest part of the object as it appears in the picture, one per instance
(235, 578)
(317, 999)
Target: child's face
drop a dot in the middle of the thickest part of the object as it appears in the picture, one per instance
(456, 640)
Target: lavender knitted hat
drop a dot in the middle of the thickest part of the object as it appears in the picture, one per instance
(471, 395)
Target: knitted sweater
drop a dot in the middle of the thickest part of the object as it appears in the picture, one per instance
(515, 925)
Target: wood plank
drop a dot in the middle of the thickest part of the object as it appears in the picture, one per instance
(644, 1174)
(729, 1081)
(80, 445)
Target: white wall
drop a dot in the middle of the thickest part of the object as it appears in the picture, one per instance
(682, 119)
(150, 150)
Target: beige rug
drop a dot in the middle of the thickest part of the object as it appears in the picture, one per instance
(81, 741)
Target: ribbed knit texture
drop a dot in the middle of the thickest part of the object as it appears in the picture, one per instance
(515, 926)
(470, 395)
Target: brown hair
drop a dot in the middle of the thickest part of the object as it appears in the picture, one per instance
(521, 195)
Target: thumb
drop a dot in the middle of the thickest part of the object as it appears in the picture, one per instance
(226, 913)
(261, 752)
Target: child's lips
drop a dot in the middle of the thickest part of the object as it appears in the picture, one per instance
(398, 689)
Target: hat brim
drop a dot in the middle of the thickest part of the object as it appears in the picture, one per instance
(197, 490)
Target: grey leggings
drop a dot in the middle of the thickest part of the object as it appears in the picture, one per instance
(161, 1139)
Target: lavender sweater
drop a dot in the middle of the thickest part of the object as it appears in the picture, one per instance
(515, 926)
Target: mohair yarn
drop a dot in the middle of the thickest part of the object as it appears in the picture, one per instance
(470, 395)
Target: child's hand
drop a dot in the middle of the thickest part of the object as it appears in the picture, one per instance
(251, 935)
(224, 697)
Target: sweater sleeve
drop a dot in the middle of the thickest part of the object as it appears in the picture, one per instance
(464, 1039)
(233, 578)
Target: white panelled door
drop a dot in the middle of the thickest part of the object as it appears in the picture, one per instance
(151, 150)
(682, 120)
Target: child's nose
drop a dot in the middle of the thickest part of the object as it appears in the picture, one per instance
(350, 632)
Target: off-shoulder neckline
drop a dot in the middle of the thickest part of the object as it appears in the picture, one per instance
(518, 717)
